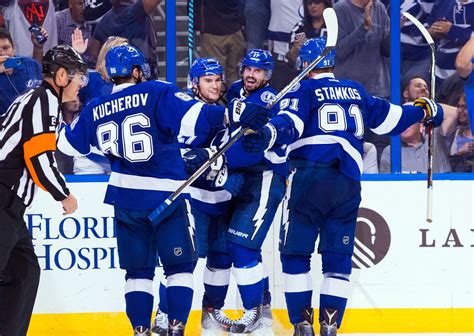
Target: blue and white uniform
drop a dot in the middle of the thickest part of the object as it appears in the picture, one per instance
(137, 128)
(323, 126)
(254, 208)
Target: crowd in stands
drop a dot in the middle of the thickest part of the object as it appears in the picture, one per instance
(229, 28)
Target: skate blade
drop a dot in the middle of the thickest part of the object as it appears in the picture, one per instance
(264, 331)
(212, 332)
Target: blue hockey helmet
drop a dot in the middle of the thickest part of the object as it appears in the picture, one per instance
(311, 49)
(205, 67)
(121, 60)
(260, 59)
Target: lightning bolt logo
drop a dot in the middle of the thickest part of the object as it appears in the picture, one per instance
(262, 206)
(191, 223)
(286, 209)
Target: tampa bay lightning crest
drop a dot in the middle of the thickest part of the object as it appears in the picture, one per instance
(267, 97)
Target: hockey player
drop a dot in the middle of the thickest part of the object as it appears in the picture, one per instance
(209, 203)
(137, 128)
(322, 122)
(28, 142)
(254, 206)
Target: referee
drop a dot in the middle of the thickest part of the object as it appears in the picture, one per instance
(27, 145)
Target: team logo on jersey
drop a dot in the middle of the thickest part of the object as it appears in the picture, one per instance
(372, 239)
(267, 97)
(183, 96)
(346, 240)
(178, 251)
(295, 88)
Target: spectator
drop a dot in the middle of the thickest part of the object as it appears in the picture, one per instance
(15, 81)
(462, 146)
(452, 33)
(221, 34)
(132, 21)
(70, 19)
(414, 145)
(311, 26)
(19, 18)
(94, 10)
(464, 67)
(415, 52)
(363, 41)
(257, 18)
(370, 159)
(285, 14)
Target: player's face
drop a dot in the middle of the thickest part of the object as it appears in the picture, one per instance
(463, 119)
(6, 48)
(210, 88)
(254, 78)
(416, 89)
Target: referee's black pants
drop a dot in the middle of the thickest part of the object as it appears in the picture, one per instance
(19, 268)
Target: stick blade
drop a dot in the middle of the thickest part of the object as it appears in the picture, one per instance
(330, 19)
(421, 28)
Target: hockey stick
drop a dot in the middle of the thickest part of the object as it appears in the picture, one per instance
(429, 39)
(332, 29)
(190, 36)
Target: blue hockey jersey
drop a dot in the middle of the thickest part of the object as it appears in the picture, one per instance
(236, 156)
(137, 128)
(323, 119)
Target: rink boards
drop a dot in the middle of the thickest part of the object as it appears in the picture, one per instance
(409, 276)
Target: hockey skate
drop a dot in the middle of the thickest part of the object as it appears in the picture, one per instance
(176, 328)
(267, 317)
(141, 331)
(214, 322)
(251, 323)
(329, 324)
(305, 328)
(160, 324)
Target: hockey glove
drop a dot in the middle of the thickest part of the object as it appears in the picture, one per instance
(433, 112)
(261, 141)
(232, 183)
(197, 157)
(249, 115)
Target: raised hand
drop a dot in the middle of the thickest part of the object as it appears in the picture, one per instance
(77, 41)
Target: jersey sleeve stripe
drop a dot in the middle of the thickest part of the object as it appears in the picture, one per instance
(299, 124)
(393, 117)
(36, 145)
(188, 123)
(327, 140)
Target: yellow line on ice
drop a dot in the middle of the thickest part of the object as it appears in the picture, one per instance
(401, 320)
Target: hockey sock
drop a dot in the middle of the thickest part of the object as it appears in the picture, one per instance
(298, 293)
(334, 294)
(250, 283)
(139, 301)
(216, 284)
(267, 296)
(179, 293)
(163, 304)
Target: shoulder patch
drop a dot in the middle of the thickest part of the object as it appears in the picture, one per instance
(183, 96)
(267, 97)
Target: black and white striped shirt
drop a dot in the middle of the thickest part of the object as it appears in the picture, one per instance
(27, 145)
